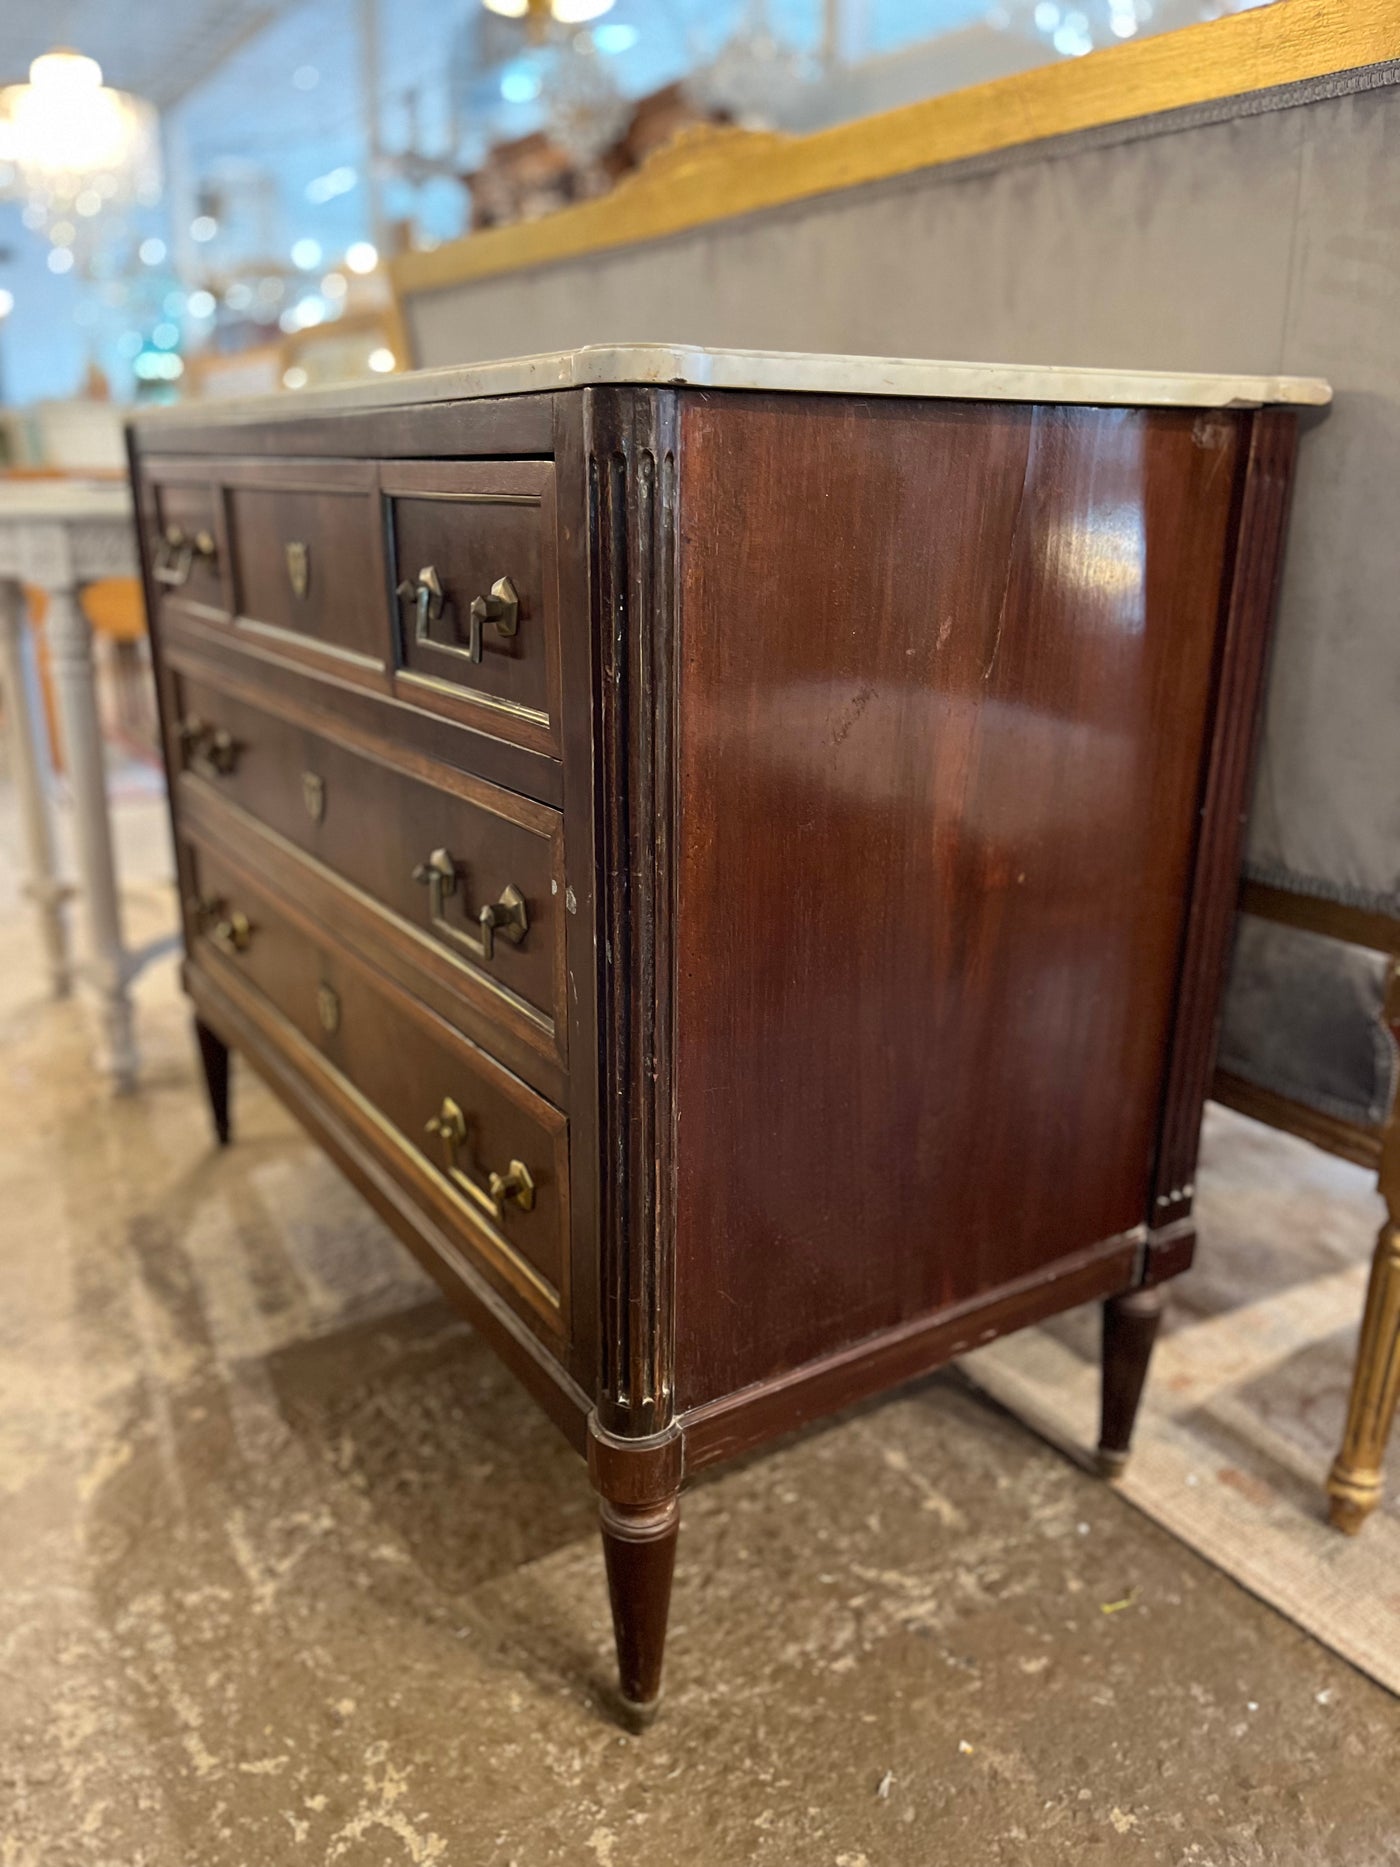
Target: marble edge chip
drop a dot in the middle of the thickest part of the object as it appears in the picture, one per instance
(597, 365)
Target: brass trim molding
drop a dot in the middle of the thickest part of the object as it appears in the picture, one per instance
(717, 174)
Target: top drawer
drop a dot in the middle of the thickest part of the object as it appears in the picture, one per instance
(308, 558)
(474, 571)
(436, 581)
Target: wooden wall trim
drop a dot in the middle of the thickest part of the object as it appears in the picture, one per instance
(714, 175)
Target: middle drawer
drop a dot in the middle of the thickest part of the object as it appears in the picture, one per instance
(475, 872)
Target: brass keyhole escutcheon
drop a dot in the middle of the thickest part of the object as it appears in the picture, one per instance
(328, 1009)
(313, 795)
(298, 556)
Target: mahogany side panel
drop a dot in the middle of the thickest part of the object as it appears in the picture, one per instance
(944, 681)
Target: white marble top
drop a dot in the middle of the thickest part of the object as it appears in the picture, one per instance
(62, 500)
(762, 369)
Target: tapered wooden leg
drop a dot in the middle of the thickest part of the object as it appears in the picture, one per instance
(639, 1547)
(214, 1056)
(1129, 1330)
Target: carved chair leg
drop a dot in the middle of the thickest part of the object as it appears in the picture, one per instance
(214, 1056)
(1129, 1330)
(639, 1547)
(1356, 1480)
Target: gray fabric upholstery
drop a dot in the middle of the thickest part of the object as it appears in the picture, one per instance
(1264, 235)
(1301, 1018)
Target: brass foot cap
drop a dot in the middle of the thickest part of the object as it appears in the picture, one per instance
(637, 1715)
(1348, 1514)
(1111, 1464)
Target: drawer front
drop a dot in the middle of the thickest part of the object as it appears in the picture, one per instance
(475, 576)
(184, 543)
(308, 558)
(486, 1153)
(472, 869)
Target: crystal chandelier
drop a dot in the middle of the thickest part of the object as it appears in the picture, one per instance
(755, 76)
(585, 112)
(70, 146)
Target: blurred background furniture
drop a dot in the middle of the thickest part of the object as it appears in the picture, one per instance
(61, 536)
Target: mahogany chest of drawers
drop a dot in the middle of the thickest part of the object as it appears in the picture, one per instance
(733, 855)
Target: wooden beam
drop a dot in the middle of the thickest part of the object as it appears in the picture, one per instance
(1350, 1140)
(1315, 914)
(712, 175)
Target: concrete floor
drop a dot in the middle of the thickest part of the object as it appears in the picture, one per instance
(290, 1572)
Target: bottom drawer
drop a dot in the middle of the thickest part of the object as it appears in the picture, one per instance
(488, 1153)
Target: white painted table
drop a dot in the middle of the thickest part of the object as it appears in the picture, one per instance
(61, 535)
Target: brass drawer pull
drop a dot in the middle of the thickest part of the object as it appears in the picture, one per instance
(500, 610)
(229, 929)
(506, 918)
(426, 596)
(210, 750)
(176, 553)
(517, 1183)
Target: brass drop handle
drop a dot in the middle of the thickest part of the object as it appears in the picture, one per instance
(517, 1183)
(506, 917)
(174, 557)
(176, 553)
(210, 750)
(230, 930)
(501, 609)
(425, 592)
(234, 933)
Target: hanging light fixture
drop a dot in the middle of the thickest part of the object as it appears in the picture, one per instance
(546, 12)
(73, 146)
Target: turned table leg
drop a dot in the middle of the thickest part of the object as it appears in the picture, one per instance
(109, 968)
(1129, 1330)
(639, 1547)
(31, 772)
(214, 1060)
(1355, 1482)
(638, 1481)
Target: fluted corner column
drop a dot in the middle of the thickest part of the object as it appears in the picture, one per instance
(108, 966)
(32, 772)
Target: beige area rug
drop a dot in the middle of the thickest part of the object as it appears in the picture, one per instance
(1247, 1394)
